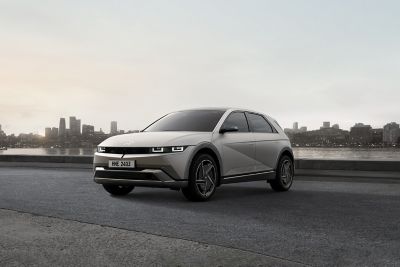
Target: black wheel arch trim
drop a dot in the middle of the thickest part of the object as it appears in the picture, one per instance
(199, 147)
(284, 150)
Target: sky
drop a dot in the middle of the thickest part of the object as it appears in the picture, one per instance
(133, 61)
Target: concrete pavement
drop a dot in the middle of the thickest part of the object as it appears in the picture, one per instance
(31, 240)
(316, 223)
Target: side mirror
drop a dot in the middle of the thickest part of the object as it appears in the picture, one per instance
(228, 129)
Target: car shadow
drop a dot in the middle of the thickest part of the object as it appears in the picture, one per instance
(223, 193)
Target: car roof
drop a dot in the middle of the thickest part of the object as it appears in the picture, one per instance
(222, 109)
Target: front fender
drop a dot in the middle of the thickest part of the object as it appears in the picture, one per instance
(199, 147)
(284, 150)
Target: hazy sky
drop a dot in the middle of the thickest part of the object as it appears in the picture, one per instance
(132, 61)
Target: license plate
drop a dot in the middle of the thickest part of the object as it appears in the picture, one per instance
(121, 164)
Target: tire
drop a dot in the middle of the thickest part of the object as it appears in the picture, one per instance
(284, 175)
(118, 190)
(203, 178)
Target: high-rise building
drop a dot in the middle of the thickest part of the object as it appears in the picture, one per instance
(54, 132)
(113, 128)
(87, 130)
(2, 134)
(62, 128)
(295, 126)
(74, 126)
(391, 133)
(47, 132)
(78, 127)
(326, 124)
(72, 123)
(335, 126)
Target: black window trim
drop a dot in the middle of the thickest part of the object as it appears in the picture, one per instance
(274, 131)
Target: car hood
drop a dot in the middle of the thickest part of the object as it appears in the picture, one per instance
(157, 139)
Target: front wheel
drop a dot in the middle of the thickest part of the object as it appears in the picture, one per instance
(203, 177)
(118, 190)
(284, 175)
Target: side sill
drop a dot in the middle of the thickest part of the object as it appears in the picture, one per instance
(259, 176)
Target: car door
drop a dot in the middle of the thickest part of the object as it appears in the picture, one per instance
(267, 142)
(237, 148)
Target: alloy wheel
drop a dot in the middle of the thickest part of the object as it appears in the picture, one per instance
(206, 178)
(286, 172)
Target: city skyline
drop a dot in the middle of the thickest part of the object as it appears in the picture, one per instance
(113, 124)
(41, 131)
(76, 127)
(328, 135)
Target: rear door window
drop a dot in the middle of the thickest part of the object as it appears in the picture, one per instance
(258, 123)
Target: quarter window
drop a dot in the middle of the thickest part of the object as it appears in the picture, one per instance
(259, 124)
(237, 119)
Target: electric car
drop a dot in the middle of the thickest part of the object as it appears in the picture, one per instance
(196, 151)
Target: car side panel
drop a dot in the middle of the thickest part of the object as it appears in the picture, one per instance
(268, 148)
(237, 152)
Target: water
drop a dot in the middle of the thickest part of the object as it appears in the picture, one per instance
(347, 153)
(299, 152)
(49, 151)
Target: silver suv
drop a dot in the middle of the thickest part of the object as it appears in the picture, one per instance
(197, 151)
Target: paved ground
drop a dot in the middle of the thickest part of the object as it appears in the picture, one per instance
(316, 223)
(30, 240)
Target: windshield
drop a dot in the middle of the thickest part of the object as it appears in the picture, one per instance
(190, 120)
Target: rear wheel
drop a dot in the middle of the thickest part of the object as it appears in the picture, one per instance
(118, 190)
(284, 175)
(203, 177)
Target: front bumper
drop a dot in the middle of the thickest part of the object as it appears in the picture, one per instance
(154, 170)
(146, 177)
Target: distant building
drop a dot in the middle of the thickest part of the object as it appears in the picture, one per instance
(335, 126)
(72, 121)
(113, 128)
(87, 130)
(54, 132)
(295, 129)
(78, 126)
(62, 128)
(47, 132)
(391, 133)
(329, 137)
(326, 124)
(1, 132)
(74, 126)
(377, 136)
(360, 134)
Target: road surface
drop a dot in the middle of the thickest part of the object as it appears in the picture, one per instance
(316, 223)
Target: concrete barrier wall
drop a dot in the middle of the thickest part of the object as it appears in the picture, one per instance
(309, 164)
(350, 165)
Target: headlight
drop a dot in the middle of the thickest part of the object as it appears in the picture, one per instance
(157, 150)
(178, 148)
(168, 149)
(101, 149)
